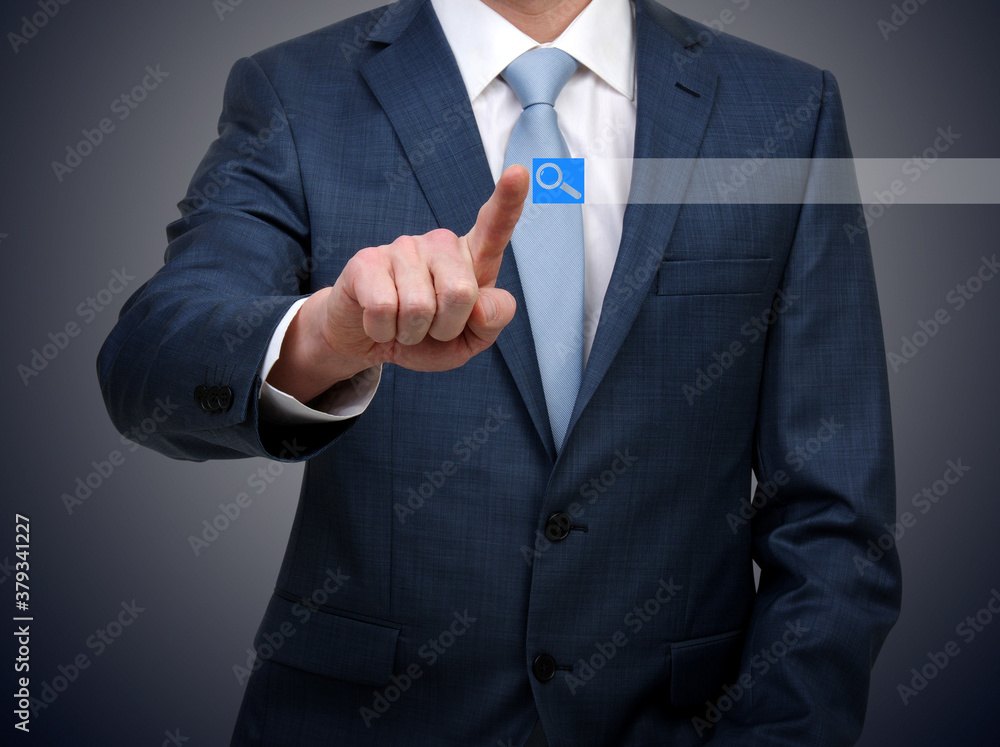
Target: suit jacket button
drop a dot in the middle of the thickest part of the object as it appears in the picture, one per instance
(544, 667)
(558, 526)
(225, 398)
(212, 399)
(201, 397)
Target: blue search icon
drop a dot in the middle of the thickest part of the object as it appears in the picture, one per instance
(556, 177)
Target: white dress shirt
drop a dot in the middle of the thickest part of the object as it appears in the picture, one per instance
(596, 112)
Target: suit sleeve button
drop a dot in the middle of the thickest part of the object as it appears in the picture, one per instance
(225, 398)
(544, 667)
(212, 399)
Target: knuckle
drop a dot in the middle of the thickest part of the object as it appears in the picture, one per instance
(417, 307)
(405, 250)
(441, 236)
(459, 292)
(382, 307)
(405, 244)
(370, 259)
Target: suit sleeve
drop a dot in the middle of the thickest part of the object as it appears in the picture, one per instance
(823, 447)
(190, 342)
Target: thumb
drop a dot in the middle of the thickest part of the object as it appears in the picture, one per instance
(493, 311)
(495, 224)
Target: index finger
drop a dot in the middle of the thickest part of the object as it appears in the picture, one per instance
(495, 224)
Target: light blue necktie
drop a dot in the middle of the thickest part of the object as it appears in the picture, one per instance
(548, 239)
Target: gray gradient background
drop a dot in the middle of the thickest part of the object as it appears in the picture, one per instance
(172, 669)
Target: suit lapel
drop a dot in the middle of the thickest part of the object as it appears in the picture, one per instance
(675, 91)
(417, 82)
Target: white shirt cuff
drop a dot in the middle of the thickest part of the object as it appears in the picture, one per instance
(345, 400)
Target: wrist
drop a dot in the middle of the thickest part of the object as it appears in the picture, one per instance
(307, 364)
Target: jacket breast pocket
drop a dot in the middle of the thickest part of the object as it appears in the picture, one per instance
(710, 277)
(326, 643)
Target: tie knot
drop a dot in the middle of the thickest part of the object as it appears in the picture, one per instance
(538, 75)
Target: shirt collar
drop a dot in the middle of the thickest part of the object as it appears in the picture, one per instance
(601, 38)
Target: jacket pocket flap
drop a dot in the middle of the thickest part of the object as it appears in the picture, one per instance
(712, 277)
(326, 643)
(700, 667)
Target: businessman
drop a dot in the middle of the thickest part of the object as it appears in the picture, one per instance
(530, 429)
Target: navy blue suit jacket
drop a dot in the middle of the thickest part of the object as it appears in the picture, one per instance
(733, 338)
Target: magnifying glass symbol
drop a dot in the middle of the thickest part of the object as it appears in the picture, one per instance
(558, 183)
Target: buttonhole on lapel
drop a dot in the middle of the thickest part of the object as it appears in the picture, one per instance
(687, 90)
